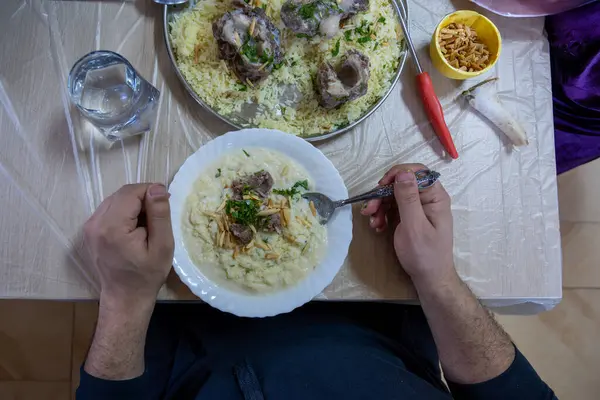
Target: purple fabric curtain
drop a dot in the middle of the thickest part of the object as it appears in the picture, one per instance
(575, 53)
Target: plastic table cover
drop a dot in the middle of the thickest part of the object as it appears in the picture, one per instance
(54, 171)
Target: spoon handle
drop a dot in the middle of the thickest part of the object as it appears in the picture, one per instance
(377, 193)
(425, 179)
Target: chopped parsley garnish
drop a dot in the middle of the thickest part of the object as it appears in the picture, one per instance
(303, 184)
(218, 174)
(307, 11)
(347, 35)
(364, 39)
(381, 20)
(293, 190)
(249, 50)
(376, 46)
(246, 153)
(337, 7)
(263, 6)
(302, 35)
(266, 58)
(277, 66)
(242, 211)
(336, 49)
(364, 28)
(293, 63)
(241, 88)
(246, 190)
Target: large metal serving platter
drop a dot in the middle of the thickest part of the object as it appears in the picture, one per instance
(239, 120)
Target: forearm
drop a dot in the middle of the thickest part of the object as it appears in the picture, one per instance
(117, 350)
(472, 347)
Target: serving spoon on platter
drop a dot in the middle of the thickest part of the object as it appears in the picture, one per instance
(325, 206)
(170, 2)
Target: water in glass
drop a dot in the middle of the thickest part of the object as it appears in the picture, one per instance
(112, 95)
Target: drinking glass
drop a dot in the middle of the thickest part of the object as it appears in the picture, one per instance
(111, 94)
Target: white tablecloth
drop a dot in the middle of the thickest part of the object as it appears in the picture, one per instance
(53, 173)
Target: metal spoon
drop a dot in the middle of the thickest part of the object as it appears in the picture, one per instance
(325, 206)
(170, 2)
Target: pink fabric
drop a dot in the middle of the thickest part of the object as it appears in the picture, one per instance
(529, 8)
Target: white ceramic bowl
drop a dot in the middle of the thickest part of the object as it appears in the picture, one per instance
(339, 230)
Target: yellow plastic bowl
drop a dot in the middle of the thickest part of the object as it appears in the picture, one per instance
(486, 30)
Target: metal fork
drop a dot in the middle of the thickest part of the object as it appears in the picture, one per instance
(325, 206)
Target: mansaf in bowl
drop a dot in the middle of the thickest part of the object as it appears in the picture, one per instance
(246, 241)
(247, 225)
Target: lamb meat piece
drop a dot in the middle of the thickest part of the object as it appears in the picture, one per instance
(353, 7)
(237, 187)
(311, 17)
(249, 42)
(260, 182)
(273, 223)
(240, 4)
(346, 83)
(242, 233)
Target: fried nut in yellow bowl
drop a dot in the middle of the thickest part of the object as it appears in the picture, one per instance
(487, 34)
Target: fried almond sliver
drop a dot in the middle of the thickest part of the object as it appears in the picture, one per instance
(222, 206)
(210, 214)
(287, 215)
(262, 245)
(290, 238)
(226, 223)
(313, 209)
(267, 212)
(461, 41)
(304, 222)
(283, 220)
(271, 256)
(237, 39)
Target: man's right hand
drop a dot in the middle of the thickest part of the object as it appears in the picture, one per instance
(472, 347)
(423, 235)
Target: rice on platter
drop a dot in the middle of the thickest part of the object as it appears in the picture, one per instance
(246, 225)
(288, 98)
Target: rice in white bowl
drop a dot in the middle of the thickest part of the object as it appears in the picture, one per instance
(273, 260)
(197, 57)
